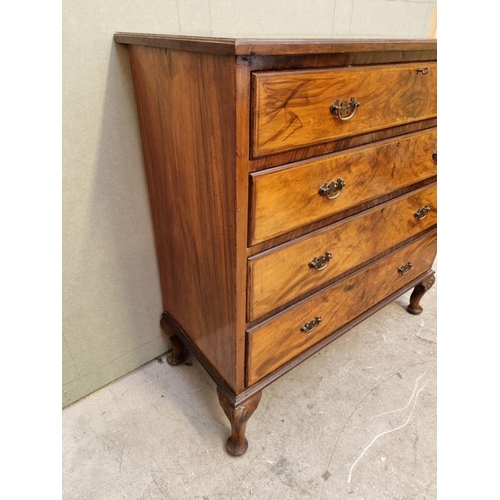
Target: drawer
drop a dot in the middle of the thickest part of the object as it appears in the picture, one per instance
(292, 109)
(280, 339)
(278, 276)
(286, 198)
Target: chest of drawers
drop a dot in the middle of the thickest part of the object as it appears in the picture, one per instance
(293, 194)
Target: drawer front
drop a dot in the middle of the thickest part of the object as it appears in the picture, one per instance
(289, 197)
(292, 109)
(278, 276)
(280, 339)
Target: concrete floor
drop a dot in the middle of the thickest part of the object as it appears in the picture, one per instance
(356, 421)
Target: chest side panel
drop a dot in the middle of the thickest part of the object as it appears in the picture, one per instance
(186, 106)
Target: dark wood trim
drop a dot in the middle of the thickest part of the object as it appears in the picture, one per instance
(238, 399)
(264, 63)
(270, 46)
(343, 217)
(337, 282)
(242, 94)
(331, 147)
(202, 359)
(329, 45)
(306, 230)
(287, 334)
(299, 298)
(259, 386)
(352, 149)
(221, 46)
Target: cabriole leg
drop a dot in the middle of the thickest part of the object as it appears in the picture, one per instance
(179, 353)
(238, 416)
(418, 293)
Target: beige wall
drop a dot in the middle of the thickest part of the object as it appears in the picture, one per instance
(111, 293)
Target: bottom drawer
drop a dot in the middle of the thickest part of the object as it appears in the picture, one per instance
(280, 339)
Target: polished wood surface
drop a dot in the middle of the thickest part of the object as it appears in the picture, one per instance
(281, 339)
(283, 275)
(338, 145)
(336, 59)
(242, 182)
(188, 137)
(235, 233)
(292, 108)
(272, 46)
(287, 198)
(238, 416)
(332, 219)
(414, 306)
(178, 354)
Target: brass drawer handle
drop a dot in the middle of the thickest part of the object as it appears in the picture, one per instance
(321, 262)
(404, 268)
(422, 212)
(344, 110)
(311, 325)
(424, 71)
(331, 190)
(435, 156)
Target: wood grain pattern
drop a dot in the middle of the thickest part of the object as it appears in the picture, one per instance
(305, 355)
(238, 415)
(267, 46)
(276, 47)
(287, 198)
(188, 136)
(338, 145)
(332, 60)
(420, 290)
(337, 59)
(280, 339)
(209, 196)
(332, 219)
(242, 181)
(282, 275)
(292, 108)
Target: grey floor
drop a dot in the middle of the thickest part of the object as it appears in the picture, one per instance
(356, 421)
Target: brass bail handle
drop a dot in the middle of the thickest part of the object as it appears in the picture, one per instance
(311, 325)
(331, 190)
(344, 110)
(422, 212)
(405, 268)
(321, 262)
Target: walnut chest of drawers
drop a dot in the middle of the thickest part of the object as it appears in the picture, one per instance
(293, 194)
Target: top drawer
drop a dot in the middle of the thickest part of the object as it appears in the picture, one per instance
(292, 109)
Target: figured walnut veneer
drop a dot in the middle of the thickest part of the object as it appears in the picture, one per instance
(258, 268)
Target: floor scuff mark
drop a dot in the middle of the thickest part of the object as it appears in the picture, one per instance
(407, 404)
(374, 440)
